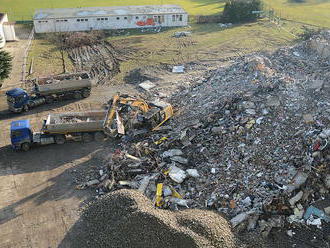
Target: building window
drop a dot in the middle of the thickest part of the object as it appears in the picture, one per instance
(106, 18)
(86, 20)
(180, 18)
(125, 17)
(97, 19)
(78, 20)
(137, 18)
(118, 18)
(42, 21)
(173, 18)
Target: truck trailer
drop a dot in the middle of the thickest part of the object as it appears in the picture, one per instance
(20, 100)
(125, 115)
(85, 126)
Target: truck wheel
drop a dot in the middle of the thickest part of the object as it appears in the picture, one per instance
(49, 99)
(99, 136)
(25, 147)
(86, 93)
(87, 137)
(60, 139)
(77, 95)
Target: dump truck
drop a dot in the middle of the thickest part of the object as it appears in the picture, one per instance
(124, 114)
(57, 128)
(47, 92)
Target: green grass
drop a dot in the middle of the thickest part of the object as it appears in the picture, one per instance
(315, 12)
(208, 42)
(23, 10)
(47, 59)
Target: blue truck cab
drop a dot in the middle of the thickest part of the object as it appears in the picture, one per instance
(17, 99)
(21, 135)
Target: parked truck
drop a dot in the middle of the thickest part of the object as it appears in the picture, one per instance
(20, 100)
(58, 128)
(124, 114)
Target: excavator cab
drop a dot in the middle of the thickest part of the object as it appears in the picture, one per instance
(126, 113)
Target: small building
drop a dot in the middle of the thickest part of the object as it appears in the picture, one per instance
(103, 18)
(7, 30)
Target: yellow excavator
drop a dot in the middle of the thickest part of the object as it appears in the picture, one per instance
(133, 113)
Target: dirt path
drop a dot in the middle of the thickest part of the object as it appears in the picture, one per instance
(38, 202)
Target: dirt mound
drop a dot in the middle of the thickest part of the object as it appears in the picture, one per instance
(150, 73)
(126, 218)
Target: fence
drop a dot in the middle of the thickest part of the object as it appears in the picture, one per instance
(25, 55)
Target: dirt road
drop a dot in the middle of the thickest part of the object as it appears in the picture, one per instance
(39, 203)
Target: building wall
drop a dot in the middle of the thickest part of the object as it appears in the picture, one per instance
(9, 31)
(2, 34)
(109, 22)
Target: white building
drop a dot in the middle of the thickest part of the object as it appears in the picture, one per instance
(7, 30)
(100, 18)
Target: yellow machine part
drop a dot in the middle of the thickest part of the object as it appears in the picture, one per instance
(162, 115)
(159, 201)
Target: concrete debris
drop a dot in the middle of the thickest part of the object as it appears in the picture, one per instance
(179, 202)
(296, 198)
(290, 233)
(147, 85)
(92, 182)
(178, 69)
(238, 219)
(172, 153)
(176, 174)
(179, 159)
(255, 132)
(192, 173)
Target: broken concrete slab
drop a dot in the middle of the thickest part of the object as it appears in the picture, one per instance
(176, 174)
(178, 69)
(147, 85)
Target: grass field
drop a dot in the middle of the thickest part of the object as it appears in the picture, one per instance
(315, 12)
(18, 12)
(208, 42)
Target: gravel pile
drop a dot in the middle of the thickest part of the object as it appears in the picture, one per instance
(126, 218)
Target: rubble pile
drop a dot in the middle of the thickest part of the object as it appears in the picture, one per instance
(126, 218)
(251, 142)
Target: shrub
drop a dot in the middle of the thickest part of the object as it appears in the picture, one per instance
(5, 64)
(236, 11)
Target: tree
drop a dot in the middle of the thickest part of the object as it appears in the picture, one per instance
(5, 64)
(237, 11)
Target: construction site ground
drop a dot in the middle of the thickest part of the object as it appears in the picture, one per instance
(39, 201)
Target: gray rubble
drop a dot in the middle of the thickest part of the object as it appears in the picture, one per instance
(256, 132)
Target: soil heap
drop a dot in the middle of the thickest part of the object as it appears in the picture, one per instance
(127, 218)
